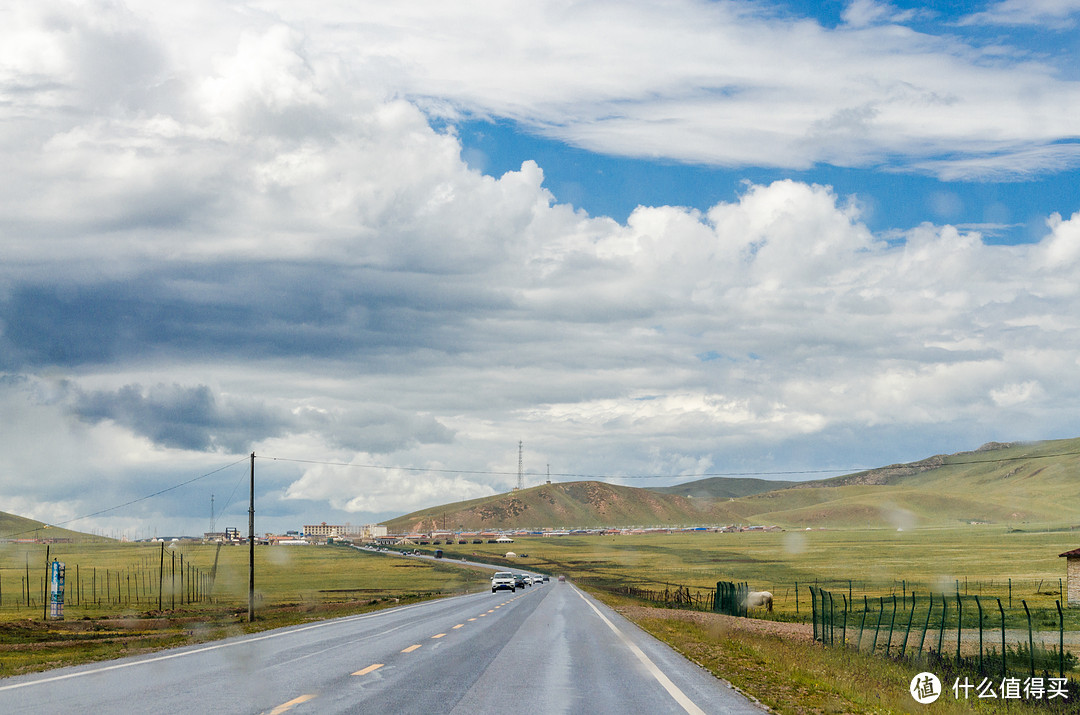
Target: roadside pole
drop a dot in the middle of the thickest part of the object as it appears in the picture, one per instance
(251, 546)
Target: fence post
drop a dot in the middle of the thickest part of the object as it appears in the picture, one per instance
(1031, 642)
(796, 598)
(892, 623)
(911, 617)
(1004, 670)
(959, 624)
(941, 629)
(862, 622)
(1061, 640)
(926, 625)
(978, 603)
(832, 620)
(877, 628)
(813, 611)
(843, 633)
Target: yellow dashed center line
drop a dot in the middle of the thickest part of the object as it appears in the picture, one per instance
(460, 625)
(370, 669)
(411, 648)
(472, 619)
(440, 635)
(292, 703)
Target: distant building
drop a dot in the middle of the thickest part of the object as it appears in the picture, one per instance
(1072, 576)
(365, 532)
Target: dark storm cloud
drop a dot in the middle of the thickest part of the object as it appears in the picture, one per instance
(183, 417)
(263, 311)
(195, 418)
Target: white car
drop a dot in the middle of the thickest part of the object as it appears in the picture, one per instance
(501, 580)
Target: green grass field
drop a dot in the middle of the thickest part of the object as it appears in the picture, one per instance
(121, 579)
(976, 559)
(295, 584)
(112, 595)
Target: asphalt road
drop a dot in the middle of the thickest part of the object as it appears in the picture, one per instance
(548, 648)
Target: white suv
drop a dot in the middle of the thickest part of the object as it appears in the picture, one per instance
(502, 580)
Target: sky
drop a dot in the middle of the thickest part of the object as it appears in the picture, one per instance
(381, 244)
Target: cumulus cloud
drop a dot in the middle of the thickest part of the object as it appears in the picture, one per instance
(224, 234)
(360, 488)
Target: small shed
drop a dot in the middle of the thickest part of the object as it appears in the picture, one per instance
(1072, 576)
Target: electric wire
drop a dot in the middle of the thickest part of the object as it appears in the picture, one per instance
(127, 503)
(842, 471)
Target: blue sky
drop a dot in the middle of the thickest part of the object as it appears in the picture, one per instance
(652, 241)
(1005, 212)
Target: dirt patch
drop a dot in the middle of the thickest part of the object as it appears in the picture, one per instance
(716, 621)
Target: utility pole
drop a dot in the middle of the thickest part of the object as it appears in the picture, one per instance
(251, 546)
(521, 475)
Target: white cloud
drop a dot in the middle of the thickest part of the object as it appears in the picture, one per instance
(359, 488)
(258, 214)
(1055, 14)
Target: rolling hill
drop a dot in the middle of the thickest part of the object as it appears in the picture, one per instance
(1030, 483)
(14, 527)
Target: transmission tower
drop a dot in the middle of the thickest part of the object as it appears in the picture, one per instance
(521, 474)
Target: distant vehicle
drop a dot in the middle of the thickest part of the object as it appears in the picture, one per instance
(546, 579)
(503, 580)
(561, 577)
(438, 553)
(528, 579)
(519, 580)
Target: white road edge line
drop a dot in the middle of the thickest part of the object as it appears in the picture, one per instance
(243, 641)
(672, 689)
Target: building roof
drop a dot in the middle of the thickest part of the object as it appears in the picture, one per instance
(1075, 553)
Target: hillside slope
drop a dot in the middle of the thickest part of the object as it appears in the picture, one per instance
(723, 487)
(18, 527)
(1032, 483)
(564, 505)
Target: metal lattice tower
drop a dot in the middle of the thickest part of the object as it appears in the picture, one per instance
(521, 473)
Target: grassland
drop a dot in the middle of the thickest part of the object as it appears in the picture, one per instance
(978, 558)
(791, 674)
(112, 596)
(776, 660)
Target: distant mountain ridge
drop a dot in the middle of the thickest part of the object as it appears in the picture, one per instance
(998, 482)
(723, 487)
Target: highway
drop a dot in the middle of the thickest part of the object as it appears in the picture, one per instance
(548, 648)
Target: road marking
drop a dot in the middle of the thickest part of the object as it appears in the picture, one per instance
(216, 646)
(460, 625)
(370, 669)
(440, 635)
(472, 619)
(285, 707)
(411, 648)
(672, 689)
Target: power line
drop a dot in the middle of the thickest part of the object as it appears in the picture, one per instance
(701, 475)
(129, 503)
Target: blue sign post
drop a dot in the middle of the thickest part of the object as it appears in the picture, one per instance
(56, 590)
